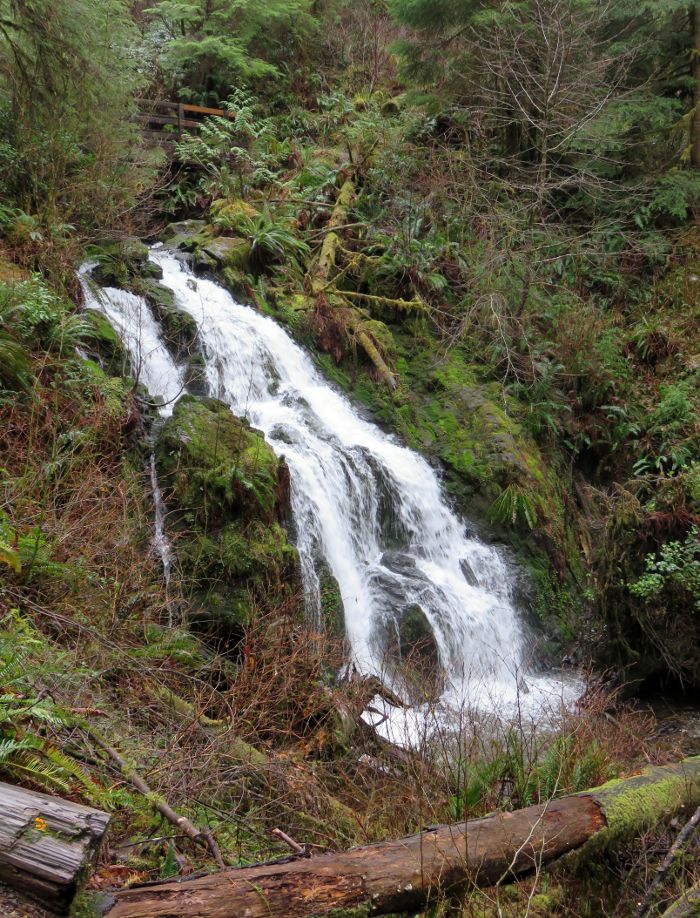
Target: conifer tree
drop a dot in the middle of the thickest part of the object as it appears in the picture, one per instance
(211, 45)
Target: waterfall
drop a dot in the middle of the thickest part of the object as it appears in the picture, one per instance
(152, 365)
(367, 506)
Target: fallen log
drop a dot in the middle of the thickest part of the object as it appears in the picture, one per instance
(687, 906)
(47, 845)
(401, 875)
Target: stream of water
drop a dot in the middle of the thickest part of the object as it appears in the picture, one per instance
(366, 506)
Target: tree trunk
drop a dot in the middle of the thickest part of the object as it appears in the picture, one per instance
(47, 844)
(695, 129)
(400, 875)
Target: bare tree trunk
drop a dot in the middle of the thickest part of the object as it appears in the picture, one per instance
(401, 875)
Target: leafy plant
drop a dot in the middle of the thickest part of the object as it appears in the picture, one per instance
(24, 752)
(674, 573)
(514, 507)
(14, 363)
(39, 319)
(273, 241)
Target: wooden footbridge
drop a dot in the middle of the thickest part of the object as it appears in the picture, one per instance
(166, 122)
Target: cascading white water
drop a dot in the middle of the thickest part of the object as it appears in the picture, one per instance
(132, 319)
(369, 507)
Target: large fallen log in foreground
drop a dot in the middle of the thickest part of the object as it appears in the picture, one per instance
(47, 845)
(400, 875)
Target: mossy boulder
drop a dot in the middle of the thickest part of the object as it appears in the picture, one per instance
(185, 235)
(229, 252)
(229, 214)
(119, 263)
(228, 492)
(179, 328)
(104, 344)
(216, 465)
(235, 281)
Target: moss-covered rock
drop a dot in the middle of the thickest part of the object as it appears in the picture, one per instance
(184, 235)
(178, 327)
(230, 213)
(228, 491)
(229, 252)
(119, 263)
(235, 282)
(104, 344)
(216, 465)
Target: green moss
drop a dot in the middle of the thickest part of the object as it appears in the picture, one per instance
(214, 464)
(633, 805)
(229, 252)
(235, 282)
(226, 484)
(229, 213)
(105, 344)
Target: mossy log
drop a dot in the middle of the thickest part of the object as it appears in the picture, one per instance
(687, 905)
(47, 845)
(401, 875)
(320, 278)
(327, 255)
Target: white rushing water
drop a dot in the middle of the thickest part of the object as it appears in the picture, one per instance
(132, 319)
(366, 505)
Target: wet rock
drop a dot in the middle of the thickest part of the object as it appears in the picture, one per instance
(235, 282)
(227, 493)
(179, 328)
(468, 572)
(104, 345)
(413, 656)
(229, 252)
(202, 262)
(416, 638)
(183, 235)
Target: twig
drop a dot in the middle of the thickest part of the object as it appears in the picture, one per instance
(180, 822)
(295, 846)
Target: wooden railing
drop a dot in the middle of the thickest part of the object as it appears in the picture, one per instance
(167, 121)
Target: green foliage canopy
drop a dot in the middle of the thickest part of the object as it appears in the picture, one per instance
(211, 45)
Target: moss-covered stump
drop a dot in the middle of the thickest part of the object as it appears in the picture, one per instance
(229, 494)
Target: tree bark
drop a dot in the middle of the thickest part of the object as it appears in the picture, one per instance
(688, 905)
(695, 129)
(47, 845)
(401, 875)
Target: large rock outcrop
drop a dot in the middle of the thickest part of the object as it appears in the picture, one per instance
(228, 493)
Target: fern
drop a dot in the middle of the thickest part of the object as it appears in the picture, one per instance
(25, 753)
(14, 363)
(514, 507)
